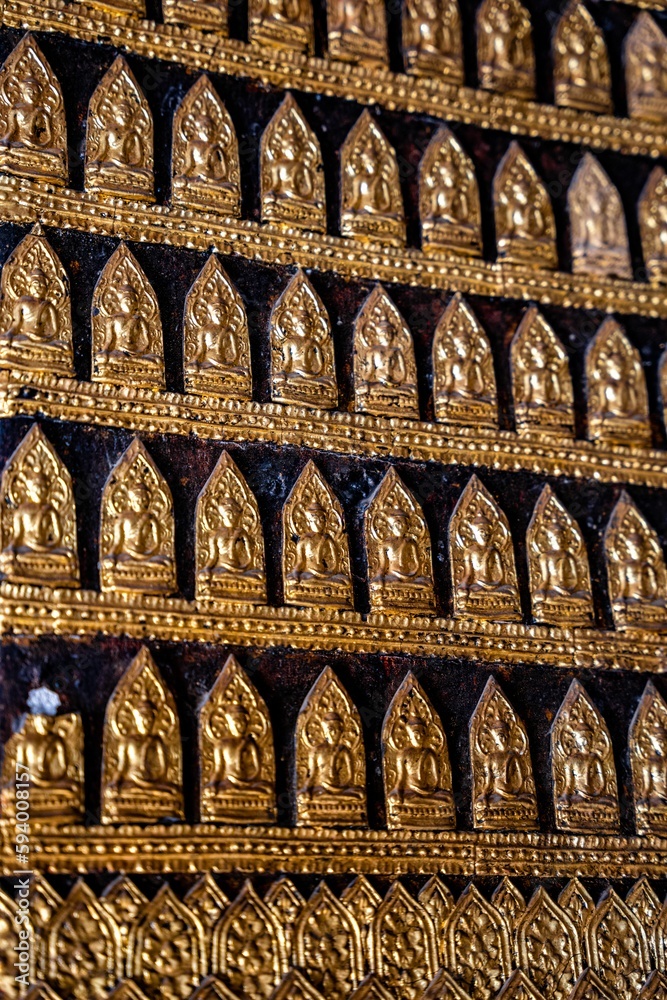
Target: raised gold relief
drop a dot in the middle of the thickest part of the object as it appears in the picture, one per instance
(330, 758)
(415, 763)
(316, 557)
(208, 903)
(204, 154)
(357, 31)
(646, 906)
(590, 987)
(142, 778)
(363, 901)
(464, 381)
(449, 208)
(617, 400)
(137, 527)
(371, 199)
(203, 15)
(645, 57)
(398, 550)
(334, 969)
(524, 217)
(519, 987)
(124, 902)
(598, 233)
(216, 346)
(510, 903)
(248, 947)
(371, 989)
(444, 987)
(582, 78)
(481, 555)
(505, 54)
(37, 518)
(295, 986)
(558, 569)
(291, 171)
(577, 903)
(652, 212)
(302, 356)
(212, 988)
(83, 947)
(33, 131)
(166, 948)
(282, 24)
(438, 901)
(655, 987)
(229, 544)
(541, 382)
(616, 947)
(286, 903)
(636, 574)
(385, 372)
(119, 138)
(548, 946)
(583, 770)
(502, 771)
(405, 954)
(648, 759)
(126, 326)
(478, 945)
(432, 43)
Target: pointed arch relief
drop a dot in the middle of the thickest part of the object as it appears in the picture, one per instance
(558, 569)
(405, 951)
(645, 60)
(229, 542)
(652, 212)
(38, 543)
(125, 902)
(646, 906)
(583, 770)
(142, 772)
(303, 369)
(577, 904)
(385, 370)
(83, 947)
(208, 903)
(167, 951)
(137, 527)
(286, 903)
(33, 130)
(280, 25)
(248, 948)
(316, 552)
(330, 757)
(398, 550)
(295, 986)
(478, 943)
(236, 754)
(510, 904)
(505, 53)
(523, 213)
(438, 901)
(371, 989)
(291, 171)
(549, 946)
(655, 987)
(589, 986)
(44, 903)
(363, 901)
(449, 207)
(126, 990)
(335, 972)
(119, 138)
(464, 381)
(582, 77)
(519, 987)
(617, 398)
(502, 771)
(541, 380)
(598, 233)
(432, 40)
(126, 326)
(636, 572)
(357, 33)
(415, 763)
(205, 172)
(616, 947)
(35, 309)
(444, 987)
(371, 199)
(481, 556)
(647, 743)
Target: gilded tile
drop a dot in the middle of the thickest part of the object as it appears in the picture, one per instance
(645, 58)
(385, 371)
(449, 207)
(636, 573)
(281, 24)
(432, 43)
(647, 742)
(549, 946)
(333, 970)
(303, 369)
(652, 212)
(617, 399)
(464, 381)
(371, 199)
(582, 77)
(505, 54)
(357, 31)
(523, 214)
(598, 233)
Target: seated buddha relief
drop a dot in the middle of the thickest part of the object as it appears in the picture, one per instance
(645, 58)
(282, 24)
(291, 171)
(523, 215)
(385, 371)
(505, 54)
(432, 42)
(449, 208)
(598, 233)
(652, 212)
(582, 77)
(647, 742)
(617, 399)
(636, 573)
(371, 198)
(541, 381)
(357, 31)
(464, 381)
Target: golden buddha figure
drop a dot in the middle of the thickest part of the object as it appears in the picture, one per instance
(582, 78)
(464, 382)
(119, 138)
(141, 751)
(502, 772)
(385, 372)
(371, 199)
(636, 573)
(205, 155)
(291, 171)
(137, 528)
(652, 212)
(582, 760)
(449, 208)
(330, 760)
(282, 24)
(357, 31)
(524, 218)
(648, 759)
(216, 346)
(598, 233)
(415, 761)
(203, 15)
(617, 397)
(645, 58)
(38, 518)
(541, 381)
(33, 131)
(505, 54)
(236, 752)
(432, 43)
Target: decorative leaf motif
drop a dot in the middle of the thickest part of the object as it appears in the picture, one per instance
(167, 951)
(248, 950)
(478, 942)
(616, 947)
(327, 945)
(405, 953)
(84, 947)
(548, 946)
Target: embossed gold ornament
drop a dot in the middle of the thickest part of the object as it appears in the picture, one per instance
(126, 325)
(502, 771)
(652, 212)
(636, 573)
(303, 370)
(44, 903)
(647, 741)
(229, 544)
(119, 138)
(519, 987)
(449, 208)
(281, 24)
(208, 903)
(33, 131)
(385, 371)
(327, 945)
(464, 382)
(655, 987)
(248, 947)
(509, 902)
(541, 381)
(316, 556)
(84, 947)
(478, 945)
(213, 988)
(363, 901)
(523, 214)
(205, 173)
(482, 557)
(398, 550)
(357, 31)
(137, 527)
(645, 58)
(202, 15)
(590, 987)
(291, 171)
(582, 78)
(371, 199)
(295, 986)
(616, 946)
(444, 987)
(583, 771)
(330, 759)
(405, 953)
(142, 779)
(598, 233)
(645, 905)
(438, 901)
(577, 903)
(37, 518)
(286, 903)
(548, 946)
(617, 400)
(558, 569)
(432, 43)
(125, 902)
(505, 54)
(166, 948)
(415, 763)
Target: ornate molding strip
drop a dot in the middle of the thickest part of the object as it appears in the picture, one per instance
(368, 85)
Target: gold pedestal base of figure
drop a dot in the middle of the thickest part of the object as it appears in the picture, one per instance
(437, 64)
(603, 263)
(448, 237)
(513, 83)
(465, 412)
(130, 577)
(357, 48)
(586, 817)
(618, 430)
(562, 610)
(594, 99)
(216, 381)
(543, 419)
(321, 393)
(373, 228)
(292, 212)
(205, 196)
(315, 593)
(527, 252)
(120, 8)
(48, 165)
(657, 270)
(201, 14)
(386, 401)
(489, 605)
(505, 815)
(236, 806)
(227, 586)
(121, 368)
(651, 818)
(402, 598)
(414, 812)
(267, 31)
(48, 569)
(110, 181)
(151, 805)
(331, 810)
(27, 356)
(648, 109)
(639, 614)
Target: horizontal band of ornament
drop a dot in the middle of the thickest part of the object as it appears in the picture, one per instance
(23, 201)
(34, 611)
(367, 85)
